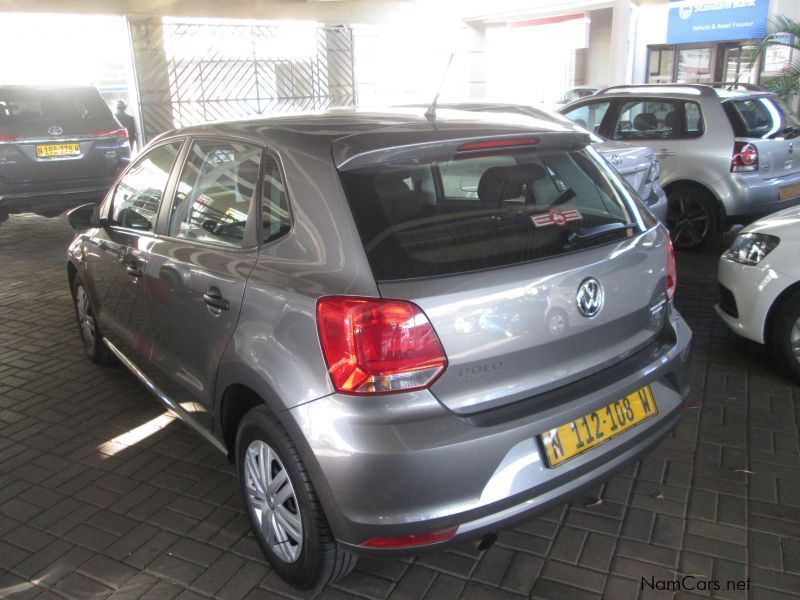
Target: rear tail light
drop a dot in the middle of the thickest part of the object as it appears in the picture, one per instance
(118, 133)
(6, 137)
(672, 272)
(378, 346)
(745, 157)
(406, 541)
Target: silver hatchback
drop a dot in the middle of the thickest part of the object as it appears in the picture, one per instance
(729, 153)
(404, 333)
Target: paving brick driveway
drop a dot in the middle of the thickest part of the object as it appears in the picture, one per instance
(83, 516)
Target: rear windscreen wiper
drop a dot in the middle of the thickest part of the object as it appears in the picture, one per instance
(581, 236)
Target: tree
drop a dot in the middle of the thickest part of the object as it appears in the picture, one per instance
(785, 32)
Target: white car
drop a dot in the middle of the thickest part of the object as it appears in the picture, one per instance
(759, 278)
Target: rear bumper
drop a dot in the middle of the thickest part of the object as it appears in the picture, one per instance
(53, 195)
(403, 464)
(747, 196)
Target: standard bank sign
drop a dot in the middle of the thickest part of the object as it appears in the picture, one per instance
(716, 20)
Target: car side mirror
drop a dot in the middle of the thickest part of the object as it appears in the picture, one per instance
(84, 217)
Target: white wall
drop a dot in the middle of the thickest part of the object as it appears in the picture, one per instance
(598, 53)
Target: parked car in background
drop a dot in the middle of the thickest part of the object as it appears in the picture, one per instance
(578, 92)
(637, 164)
(57, 144)
(404, 333)
(759, 277)
(728, 154)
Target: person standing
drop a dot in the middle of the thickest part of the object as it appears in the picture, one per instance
(127, 121)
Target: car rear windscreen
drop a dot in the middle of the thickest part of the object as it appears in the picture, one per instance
(481, 212)
(21, 106)
(761, 117)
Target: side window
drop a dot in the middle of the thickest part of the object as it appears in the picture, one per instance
(215, 191)
(647, 120)
(274, 205)
(693, 125)
(589, 115)
(138, 194)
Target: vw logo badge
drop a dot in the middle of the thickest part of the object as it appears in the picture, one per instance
(55, 130)
(616, 160)
(589, 297)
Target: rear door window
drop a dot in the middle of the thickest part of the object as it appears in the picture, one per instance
(217, 185)
(138, 194)
(763, 117)
(465, 214)
(646, 120)
(275, 219)
(589, 116)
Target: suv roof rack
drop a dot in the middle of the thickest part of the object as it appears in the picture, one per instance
(704, 89)
(730, 85)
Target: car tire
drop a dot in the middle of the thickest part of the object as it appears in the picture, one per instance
(307, 556)
(692, 217)
(785, 334)
(87, 325)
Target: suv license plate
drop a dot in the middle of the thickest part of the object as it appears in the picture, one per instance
(58, 150)
(574, 438)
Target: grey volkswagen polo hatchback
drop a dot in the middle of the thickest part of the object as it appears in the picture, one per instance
(404, 332)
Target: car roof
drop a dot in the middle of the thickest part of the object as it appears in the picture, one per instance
(350, 121)
(356, 132)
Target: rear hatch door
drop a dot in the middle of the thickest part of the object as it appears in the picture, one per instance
(58, 133)
(489, 245)
(770, 126)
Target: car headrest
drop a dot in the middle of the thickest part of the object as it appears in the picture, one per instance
(399, 202)
(503, 183)
(645, 122)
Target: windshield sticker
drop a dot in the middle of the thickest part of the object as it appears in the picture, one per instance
(556, 217)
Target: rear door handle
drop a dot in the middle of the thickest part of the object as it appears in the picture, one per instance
(213, 297)
(663, 153)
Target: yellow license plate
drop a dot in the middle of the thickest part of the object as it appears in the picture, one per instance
(58, 150)
(790, 191)
(571, 439)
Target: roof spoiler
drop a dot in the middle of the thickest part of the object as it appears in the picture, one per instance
(362, 150)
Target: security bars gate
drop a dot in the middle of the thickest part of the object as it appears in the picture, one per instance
(189, 73)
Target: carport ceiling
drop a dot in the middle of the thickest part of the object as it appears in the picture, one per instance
(363, 11)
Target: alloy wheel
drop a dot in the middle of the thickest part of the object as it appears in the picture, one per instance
(271, 497)
(689, 220)
(85, 316)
